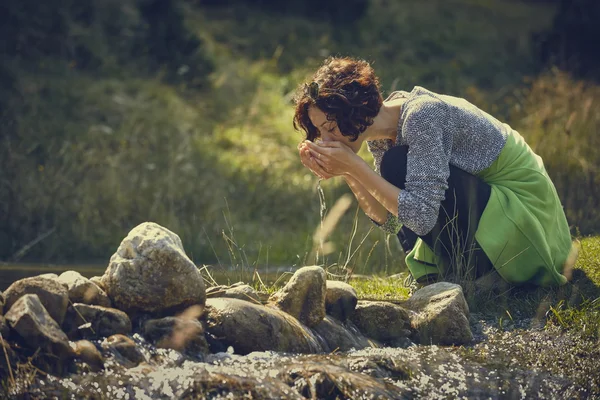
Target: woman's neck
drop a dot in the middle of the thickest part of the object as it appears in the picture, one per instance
(385, 124)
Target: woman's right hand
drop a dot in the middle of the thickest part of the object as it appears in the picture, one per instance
(309, 162)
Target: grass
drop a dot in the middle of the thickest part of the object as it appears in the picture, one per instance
(93, 155)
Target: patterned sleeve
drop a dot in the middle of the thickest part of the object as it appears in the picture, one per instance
(428, 165)
(377, 147)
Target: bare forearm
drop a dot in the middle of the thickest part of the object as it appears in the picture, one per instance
(370, 206)
(380, 190)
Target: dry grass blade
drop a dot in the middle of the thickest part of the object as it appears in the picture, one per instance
(12, 377)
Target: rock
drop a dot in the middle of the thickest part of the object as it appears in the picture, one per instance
(236, 291)
(82, 290)
(48, 276)
(52, 294)
(442, 314)
(90, 321)
(87, 352)
(303, 297)
(340, 300)
(98, 281)
(314, 380)
(177, 333)
(125, 349)
(337, 337)
(382, 321)
(4, 328)
(249, 327)
(150, 272)
(30, 320)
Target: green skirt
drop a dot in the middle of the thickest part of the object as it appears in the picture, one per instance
(523, 229)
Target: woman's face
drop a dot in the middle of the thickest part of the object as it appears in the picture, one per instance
(329, 131)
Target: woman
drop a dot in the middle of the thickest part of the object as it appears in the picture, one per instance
(462, 191)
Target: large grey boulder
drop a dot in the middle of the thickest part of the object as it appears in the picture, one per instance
(303, 297)
(30, 320)
(249, 327)
(82, 290)
(382, 321)
(89, 321)
(336, 337)
(340, 300)
(150, 272)
(441, 314)
(53, 295)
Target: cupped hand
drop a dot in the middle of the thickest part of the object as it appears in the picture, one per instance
(309, 161)
(335, 158)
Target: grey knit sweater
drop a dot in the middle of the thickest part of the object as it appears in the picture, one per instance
(440, 131)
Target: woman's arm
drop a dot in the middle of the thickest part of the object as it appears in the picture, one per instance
(370, 206)
(383, 192)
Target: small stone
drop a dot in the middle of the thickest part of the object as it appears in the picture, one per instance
(340, 300)
(125, 348)
(98, 281)
(177, 333)
(82, 290)
(89, 354)
(441, 314)
(382, 321)
(91, 321)
(303, 297)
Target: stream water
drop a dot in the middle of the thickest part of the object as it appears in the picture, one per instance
(516, 364)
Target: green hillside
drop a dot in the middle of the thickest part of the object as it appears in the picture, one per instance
(106, 123)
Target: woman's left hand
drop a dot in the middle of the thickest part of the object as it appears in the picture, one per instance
(334, 157)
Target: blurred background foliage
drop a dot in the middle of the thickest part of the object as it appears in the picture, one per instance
(179, 111)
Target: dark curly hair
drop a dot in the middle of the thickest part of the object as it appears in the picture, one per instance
(346, 90)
